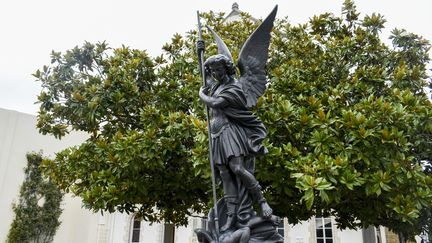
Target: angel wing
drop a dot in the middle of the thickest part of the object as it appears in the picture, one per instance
(222, 48)
(253, 58)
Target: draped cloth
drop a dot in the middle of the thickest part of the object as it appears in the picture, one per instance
(241, 136)
(244, 132)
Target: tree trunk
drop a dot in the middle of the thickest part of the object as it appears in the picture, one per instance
(169, 230)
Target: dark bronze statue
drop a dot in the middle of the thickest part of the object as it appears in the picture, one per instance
(236, 136)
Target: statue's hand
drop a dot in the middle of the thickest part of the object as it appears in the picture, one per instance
(200, 46)
(204, 90)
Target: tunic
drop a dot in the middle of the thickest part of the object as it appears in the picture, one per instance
(235, 131)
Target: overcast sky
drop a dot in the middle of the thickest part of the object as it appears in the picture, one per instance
(30, 29)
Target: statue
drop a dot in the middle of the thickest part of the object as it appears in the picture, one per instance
(235, 139)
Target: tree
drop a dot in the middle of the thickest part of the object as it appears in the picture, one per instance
(38, 210)
(349, 124)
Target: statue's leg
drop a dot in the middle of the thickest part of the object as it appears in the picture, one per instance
(251, 183)
(230, 196)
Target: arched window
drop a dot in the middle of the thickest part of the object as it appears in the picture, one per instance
(135, 230)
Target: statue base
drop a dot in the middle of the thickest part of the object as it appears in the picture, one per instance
(256, 230)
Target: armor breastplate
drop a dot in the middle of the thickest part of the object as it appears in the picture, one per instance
(218, 121)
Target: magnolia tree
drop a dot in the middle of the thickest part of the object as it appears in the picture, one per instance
(349, 123)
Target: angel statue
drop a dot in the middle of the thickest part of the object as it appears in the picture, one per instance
(236, 136)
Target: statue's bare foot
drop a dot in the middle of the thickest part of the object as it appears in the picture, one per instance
(228, 224)
(266, 210)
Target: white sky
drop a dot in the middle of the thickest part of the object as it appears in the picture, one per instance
(30, 29)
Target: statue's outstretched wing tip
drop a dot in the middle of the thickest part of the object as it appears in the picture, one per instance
(222, 48)
(271, 17)
(253, 58)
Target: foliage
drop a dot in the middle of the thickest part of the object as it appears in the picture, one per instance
(38, 210)
(354, 122)
(349, 124)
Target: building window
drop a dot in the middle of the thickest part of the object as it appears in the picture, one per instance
(324, 233)
(378, 234)
(281, 229)
(136, 230)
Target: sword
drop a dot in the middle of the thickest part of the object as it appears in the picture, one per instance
(201, 57)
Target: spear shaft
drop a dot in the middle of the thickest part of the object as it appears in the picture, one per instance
(201, 57)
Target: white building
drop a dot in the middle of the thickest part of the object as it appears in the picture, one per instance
(18, 136)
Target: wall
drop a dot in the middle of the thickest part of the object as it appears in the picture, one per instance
(18, 136)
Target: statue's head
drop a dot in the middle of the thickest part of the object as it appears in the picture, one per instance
(219, 66)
